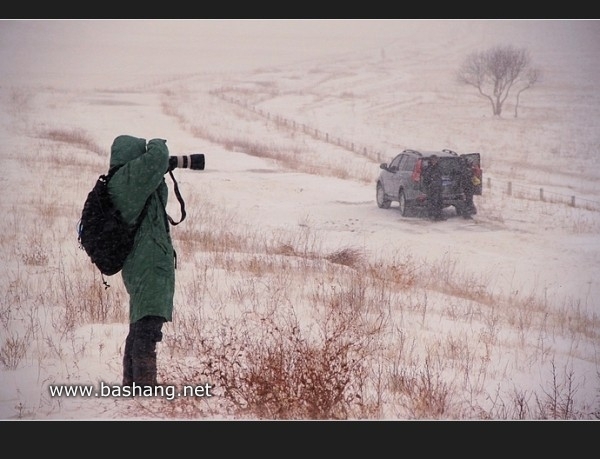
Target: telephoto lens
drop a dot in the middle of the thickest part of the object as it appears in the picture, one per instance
(194, 161)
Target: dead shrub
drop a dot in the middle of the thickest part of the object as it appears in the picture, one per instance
(347, 257)
(13, 350)
(425, 394)
(272, 368)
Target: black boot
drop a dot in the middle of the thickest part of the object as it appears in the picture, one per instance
(127, 358)
(143, 350)
(144, 371)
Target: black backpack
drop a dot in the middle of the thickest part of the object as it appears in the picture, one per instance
(103, 234)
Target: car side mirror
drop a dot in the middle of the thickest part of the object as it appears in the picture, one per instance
(383, 166)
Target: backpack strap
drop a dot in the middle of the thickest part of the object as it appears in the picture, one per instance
(112, 171)
(137, 222)
(106, 177)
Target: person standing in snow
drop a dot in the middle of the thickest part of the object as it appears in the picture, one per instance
(432, 178)
(149, 270)
(467, 182)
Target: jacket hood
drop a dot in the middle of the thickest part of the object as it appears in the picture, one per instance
(125, 148)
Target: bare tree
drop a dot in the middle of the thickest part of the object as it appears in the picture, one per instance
(495, 71)
(531, 77)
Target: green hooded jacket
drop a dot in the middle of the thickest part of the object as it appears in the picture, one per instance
(149, 270)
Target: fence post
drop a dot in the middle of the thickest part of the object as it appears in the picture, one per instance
(509, 191)
(572, 201)
(541, 194)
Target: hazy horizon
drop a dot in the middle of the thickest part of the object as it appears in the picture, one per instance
(108, 52)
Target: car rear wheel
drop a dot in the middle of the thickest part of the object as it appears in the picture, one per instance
(382, 202)
(405, 208)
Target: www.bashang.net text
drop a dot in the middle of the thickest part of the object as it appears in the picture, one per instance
(107, 390)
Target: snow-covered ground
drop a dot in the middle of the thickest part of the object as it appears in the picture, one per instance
(294, 118)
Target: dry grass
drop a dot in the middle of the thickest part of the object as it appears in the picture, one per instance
(75, 136)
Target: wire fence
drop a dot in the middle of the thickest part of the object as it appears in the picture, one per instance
(520, 191)
(509, 188)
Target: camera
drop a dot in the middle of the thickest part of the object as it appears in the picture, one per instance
(194, 161)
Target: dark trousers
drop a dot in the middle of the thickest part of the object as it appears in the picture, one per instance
(434, 204)
(469, 205)
(139, 359)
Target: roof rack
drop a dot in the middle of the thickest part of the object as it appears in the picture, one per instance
(413, 151)
(446, 150)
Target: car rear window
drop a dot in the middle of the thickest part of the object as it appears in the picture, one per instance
(450, 165)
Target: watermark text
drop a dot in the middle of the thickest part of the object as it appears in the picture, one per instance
(135, 390)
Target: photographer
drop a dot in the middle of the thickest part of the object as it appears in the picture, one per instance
(149, 270)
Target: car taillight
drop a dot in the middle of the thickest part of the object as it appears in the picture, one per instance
(416, 174)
